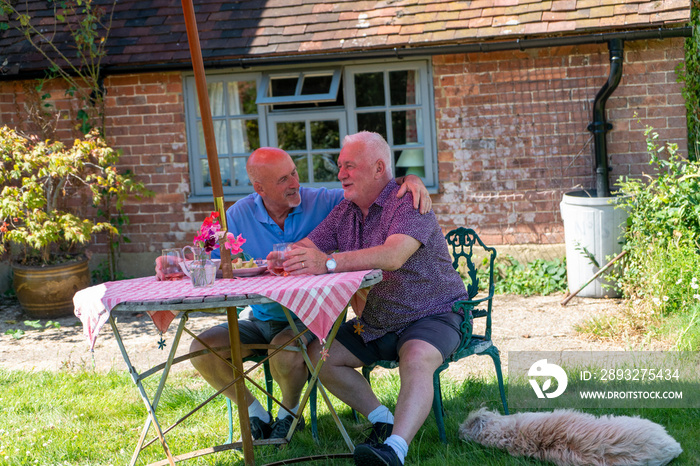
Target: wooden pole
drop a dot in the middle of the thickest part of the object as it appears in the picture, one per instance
(215, 175)
(208, 128)
(597, 274)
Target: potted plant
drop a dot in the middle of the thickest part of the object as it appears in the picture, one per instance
(49, 203)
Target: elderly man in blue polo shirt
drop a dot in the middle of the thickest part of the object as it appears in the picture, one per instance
(279, 210)
(408, 316)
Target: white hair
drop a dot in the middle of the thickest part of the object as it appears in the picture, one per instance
(374, 145)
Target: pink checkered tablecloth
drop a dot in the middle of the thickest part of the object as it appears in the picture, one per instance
(317, 300)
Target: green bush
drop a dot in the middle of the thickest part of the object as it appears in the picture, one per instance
(537, 277)
(663, 230)
(661, 272)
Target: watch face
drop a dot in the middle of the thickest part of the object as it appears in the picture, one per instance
(331, 264)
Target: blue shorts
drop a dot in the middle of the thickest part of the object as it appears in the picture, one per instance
(441, 330)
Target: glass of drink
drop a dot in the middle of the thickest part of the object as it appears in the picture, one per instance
(279, 255)
(170, 263)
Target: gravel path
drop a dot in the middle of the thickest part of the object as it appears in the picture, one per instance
(519, 323)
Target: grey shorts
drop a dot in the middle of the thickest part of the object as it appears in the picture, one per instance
(440, 330)
(253, 330)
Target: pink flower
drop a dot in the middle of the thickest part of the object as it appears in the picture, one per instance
(210, 232)
(234, 243)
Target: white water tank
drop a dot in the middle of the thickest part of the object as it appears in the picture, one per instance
(591, 224)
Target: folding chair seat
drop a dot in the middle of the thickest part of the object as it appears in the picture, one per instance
(462, 241)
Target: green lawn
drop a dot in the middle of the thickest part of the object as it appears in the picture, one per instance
(89, 418)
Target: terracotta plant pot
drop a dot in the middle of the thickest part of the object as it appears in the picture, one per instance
(47, 292)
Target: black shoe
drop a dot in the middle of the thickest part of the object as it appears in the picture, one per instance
(380, 432)
(377, 455)
(280, 428)
(260, 429)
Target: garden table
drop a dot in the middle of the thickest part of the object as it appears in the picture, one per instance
(319, 301)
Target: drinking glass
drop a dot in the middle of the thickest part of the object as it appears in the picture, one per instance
(170, 264)
(279, 255)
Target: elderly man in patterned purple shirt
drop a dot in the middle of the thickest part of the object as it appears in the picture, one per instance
(408, 316)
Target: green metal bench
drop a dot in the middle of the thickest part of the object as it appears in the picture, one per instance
(463, 242)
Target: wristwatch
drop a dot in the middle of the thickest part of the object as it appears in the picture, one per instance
(331, 264)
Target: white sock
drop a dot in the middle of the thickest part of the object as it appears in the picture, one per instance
(381, 414)
(399, 445)
(282, 413)
(256, 410)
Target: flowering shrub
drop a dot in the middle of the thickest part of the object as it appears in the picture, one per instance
(661, 272)
(663, 231)
(39, 179)
(210, 233)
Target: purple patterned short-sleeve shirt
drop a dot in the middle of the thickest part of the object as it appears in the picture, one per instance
(426, 284)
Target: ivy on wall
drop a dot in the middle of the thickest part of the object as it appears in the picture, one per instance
(689, 74)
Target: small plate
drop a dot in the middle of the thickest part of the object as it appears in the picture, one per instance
(185, 264)
(251, 271)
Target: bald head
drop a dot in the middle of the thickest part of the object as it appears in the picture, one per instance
(274, 177)
(262, 159)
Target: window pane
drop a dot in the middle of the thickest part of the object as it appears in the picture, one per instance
(221, 137)
(402, 87)
(369, 89)
(375, 122)
(219, 134)
(240, 176)
(283, 86)
(291, 135)
(409, 161)
(242, 95)
(325, 134)
(224, 169)
(404, 127)
(316, 85)
(216, 99)
(253, 135)
(325, 167)
(302, 163)
(244, 134)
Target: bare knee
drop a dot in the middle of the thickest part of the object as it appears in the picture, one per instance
(215, 337)
(314, 351)
(288, 362)
(420, 355)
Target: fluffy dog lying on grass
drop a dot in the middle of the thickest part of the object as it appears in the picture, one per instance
(568, 438)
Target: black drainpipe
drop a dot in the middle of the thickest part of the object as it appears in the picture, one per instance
(600, 127)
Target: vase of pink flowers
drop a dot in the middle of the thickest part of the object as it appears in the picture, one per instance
(202, 270)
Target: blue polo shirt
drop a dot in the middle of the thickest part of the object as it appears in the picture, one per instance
(249, 218)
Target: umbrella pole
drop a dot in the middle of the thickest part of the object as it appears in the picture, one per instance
(208, 128)
(215, 175)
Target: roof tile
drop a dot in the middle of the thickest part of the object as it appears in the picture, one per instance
(625, 8)
(671, 16)
(602, 11)
(563, 5)
(560, 26)
(153, 31)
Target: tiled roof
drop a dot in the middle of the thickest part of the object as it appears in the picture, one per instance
(152, 32)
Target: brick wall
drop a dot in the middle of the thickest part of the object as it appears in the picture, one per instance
(145, 119)
(511, 130)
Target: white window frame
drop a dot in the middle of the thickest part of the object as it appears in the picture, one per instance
(298, 97)
(307, 117)
(424, 104)
(348, 125)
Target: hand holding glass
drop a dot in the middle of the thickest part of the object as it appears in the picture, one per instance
(170, 264)
(279, 255)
